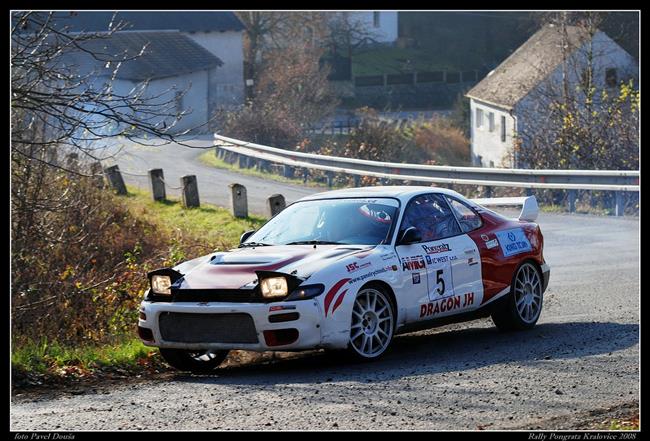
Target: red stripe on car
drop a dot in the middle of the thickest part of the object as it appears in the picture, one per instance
(339, 299)
(332, 292)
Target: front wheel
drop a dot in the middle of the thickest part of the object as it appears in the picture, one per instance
(524, 303)
(372, 326)
(196, 361)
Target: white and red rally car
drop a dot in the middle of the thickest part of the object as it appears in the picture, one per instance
(349, 269)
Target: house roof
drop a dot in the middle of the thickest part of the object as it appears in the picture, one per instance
(526, 67)
(186, 21)
(166, 54)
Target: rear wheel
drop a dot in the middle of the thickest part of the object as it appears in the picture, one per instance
(524, 303)
(197, 361)
(372, 326)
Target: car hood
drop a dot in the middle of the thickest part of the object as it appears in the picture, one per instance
(236, 268)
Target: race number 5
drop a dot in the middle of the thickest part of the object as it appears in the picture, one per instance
(440, 282)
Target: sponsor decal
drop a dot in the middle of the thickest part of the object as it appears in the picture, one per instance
(395, 268)
(428, 259)
(413, 263)
(491, 244)
(388, 256)
(485, 237)
(447, 304)
(513, 242)
(354, 266)
(435, 249)
(367, 275)
(416, 278)
(281, 308)
(442, 259)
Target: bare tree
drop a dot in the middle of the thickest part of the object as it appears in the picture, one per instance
(58, 106)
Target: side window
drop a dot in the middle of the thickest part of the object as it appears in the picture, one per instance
(467, 218)
(431, 215)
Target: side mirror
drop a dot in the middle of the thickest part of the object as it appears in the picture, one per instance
(409, 236)
(245, 236)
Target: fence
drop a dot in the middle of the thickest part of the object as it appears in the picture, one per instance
(617, 181)
(189, 191)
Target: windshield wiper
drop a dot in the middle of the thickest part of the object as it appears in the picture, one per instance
(254, 244)
(314, 242)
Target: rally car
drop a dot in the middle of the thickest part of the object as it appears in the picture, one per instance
(349, 269)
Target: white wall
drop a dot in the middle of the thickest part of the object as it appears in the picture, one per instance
(229, 79)
(387, 30)
(195, 100)
(488, 145)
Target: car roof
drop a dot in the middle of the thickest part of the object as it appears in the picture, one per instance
(402, 192)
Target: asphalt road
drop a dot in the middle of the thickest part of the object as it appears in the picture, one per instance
(582, 356)
(135, 160)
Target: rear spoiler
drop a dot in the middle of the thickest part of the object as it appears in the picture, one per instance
(529, 210)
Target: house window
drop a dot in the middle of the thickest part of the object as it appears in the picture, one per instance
(610, 77)
(491, 122)
(178, 98)
(375, 19)
(479, 118)
(503, 128)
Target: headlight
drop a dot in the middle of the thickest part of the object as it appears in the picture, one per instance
(161, 284)
(274, 287)
(307, 292)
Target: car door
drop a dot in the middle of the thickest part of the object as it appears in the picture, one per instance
(449, 258)
(468, 277)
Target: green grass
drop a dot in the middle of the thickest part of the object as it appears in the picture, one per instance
(210, 158)
(211, 223)
(396, 60)
(47, 357)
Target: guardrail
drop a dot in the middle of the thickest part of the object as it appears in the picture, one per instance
(572, 180)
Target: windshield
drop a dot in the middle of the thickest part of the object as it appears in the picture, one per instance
(338, 221)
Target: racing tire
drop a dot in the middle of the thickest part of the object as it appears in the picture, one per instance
(523, 306)
(372, 325)
(195, 361)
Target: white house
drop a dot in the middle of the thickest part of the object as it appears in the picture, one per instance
(513, 98)
(173, 72)
(219, 32)
(383, 25)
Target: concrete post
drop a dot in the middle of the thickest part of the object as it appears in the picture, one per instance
(572, 200)
(190, 192)
(263, 165)
(157, 184)
(275, 204)
(115, 179)
(330, 178)
(287, 171)
(620, 205)
(238, 200)
(98, 176)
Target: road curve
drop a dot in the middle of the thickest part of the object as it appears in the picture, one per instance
(583, 355)
(176, 160)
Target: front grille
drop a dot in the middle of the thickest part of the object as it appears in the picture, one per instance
(183, 327)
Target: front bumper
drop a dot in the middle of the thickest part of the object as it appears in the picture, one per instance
(308, 325)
